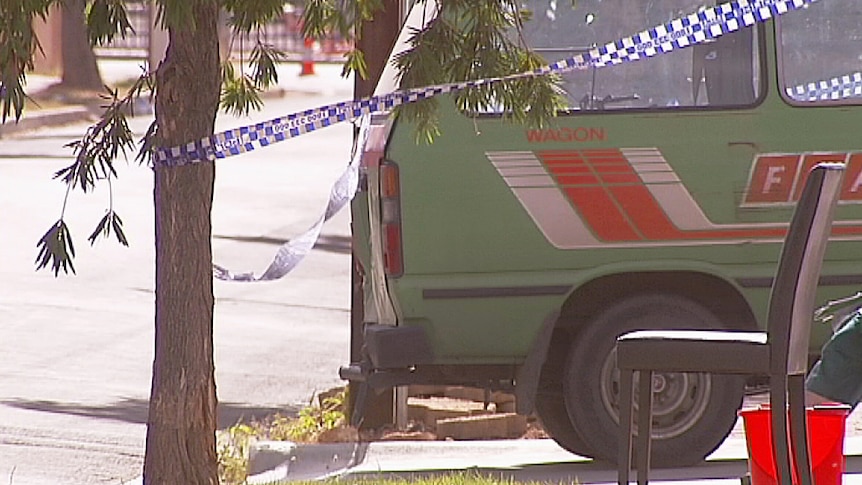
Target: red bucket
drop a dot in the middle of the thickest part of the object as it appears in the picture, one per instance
(825, 444)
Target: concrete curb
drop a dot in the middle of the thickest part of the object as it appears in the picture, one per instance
(520, 459)
(278, 461)
(286, 461)
(36, 119)
(314, 461)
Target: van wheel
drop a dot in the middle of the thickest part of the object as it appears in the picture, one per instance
(551, 409)
(692, 413)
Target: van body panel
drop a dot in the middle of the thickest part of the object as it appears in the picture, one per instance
(650, 197)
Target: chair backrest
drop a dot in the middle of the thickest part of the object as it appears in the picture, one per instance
(791, 303)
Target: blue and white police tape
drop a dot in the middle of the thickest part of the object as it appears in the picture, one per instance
(680, 33)
(292, 252)
(837, 88)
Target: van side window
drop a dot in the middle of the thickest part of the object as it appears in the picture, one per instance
(724, 72)
(725, 69)
(821, 54)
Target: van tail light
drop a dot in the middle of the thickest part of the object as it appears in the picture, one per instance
(390, 217)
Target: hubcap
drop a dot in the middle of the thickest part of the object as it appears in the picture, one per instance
(679, 399)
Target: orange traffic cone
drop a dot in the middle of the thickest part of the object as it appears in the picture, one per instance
(308, 58)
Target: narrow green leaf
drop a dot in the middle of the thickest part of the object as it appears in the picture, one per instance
(246, 16)
(148, 144)
(106, 19)
(264, 60)
(102, 228)
(56, 248)
(240, 95)
(117, 223)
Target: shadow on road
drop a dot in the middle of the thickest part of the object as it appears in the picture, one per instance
(328, 243)
(136, 410)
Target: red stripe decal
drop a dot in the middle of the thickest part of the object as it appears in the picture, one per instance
(561, 169)
(646, 214)
(599, 211)
(616, 205)
(566, 180)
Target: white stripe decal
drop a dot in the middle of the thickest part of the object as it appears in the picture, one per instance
(521, 171)
(560, 223)
(659, 178)
(556, 218)
(543, 201)
(673, 197)
(536, 181)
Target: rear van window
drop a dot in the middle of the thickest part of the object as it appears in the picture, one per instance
(821, 54)
(716, 74)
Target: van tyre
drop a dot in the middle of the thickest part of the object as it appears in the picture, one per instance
(692, 413)
(551, 409)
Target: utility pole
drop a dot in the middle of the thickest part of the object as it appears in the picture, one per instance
(376, 41)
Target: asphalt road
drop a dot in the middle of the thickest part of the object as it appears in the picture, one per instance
(77, 350)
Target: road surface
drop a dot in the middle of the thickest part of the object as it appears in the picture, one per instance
(77, 350)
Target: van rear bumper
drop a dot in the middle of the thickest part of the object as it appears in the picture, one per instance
(498, 377)
(400, 355)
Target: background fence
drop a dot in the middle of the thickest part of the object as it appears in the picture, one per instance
(284, 35)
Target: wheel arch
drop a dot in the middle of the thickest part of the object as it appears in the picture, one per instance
(718, 295)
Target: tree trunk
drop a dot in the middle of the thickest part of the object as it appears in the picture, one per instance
(79, 63)
(180, 446)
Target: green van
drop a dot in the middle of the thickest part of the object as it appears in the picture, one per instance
(506, 257)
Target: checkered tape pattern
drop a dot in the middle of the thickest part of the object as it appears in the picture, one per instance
(692, 29)
(837, 88)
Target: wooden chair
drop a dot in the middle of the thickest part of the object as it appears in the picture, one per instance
(780, 353)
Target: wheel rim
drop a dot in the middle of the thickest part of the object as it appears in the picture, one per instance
(679, 399)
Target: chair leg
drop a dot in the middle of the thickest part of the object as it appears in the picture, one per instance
(644, 426)
(799, 428)
(624, 458)
(780, 445)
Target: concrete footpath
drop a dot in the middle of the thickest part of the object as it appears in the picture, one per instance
(539, 460)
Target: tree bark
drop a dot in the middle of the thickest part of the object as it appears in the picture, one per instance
(80, 70)
(180, 447)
